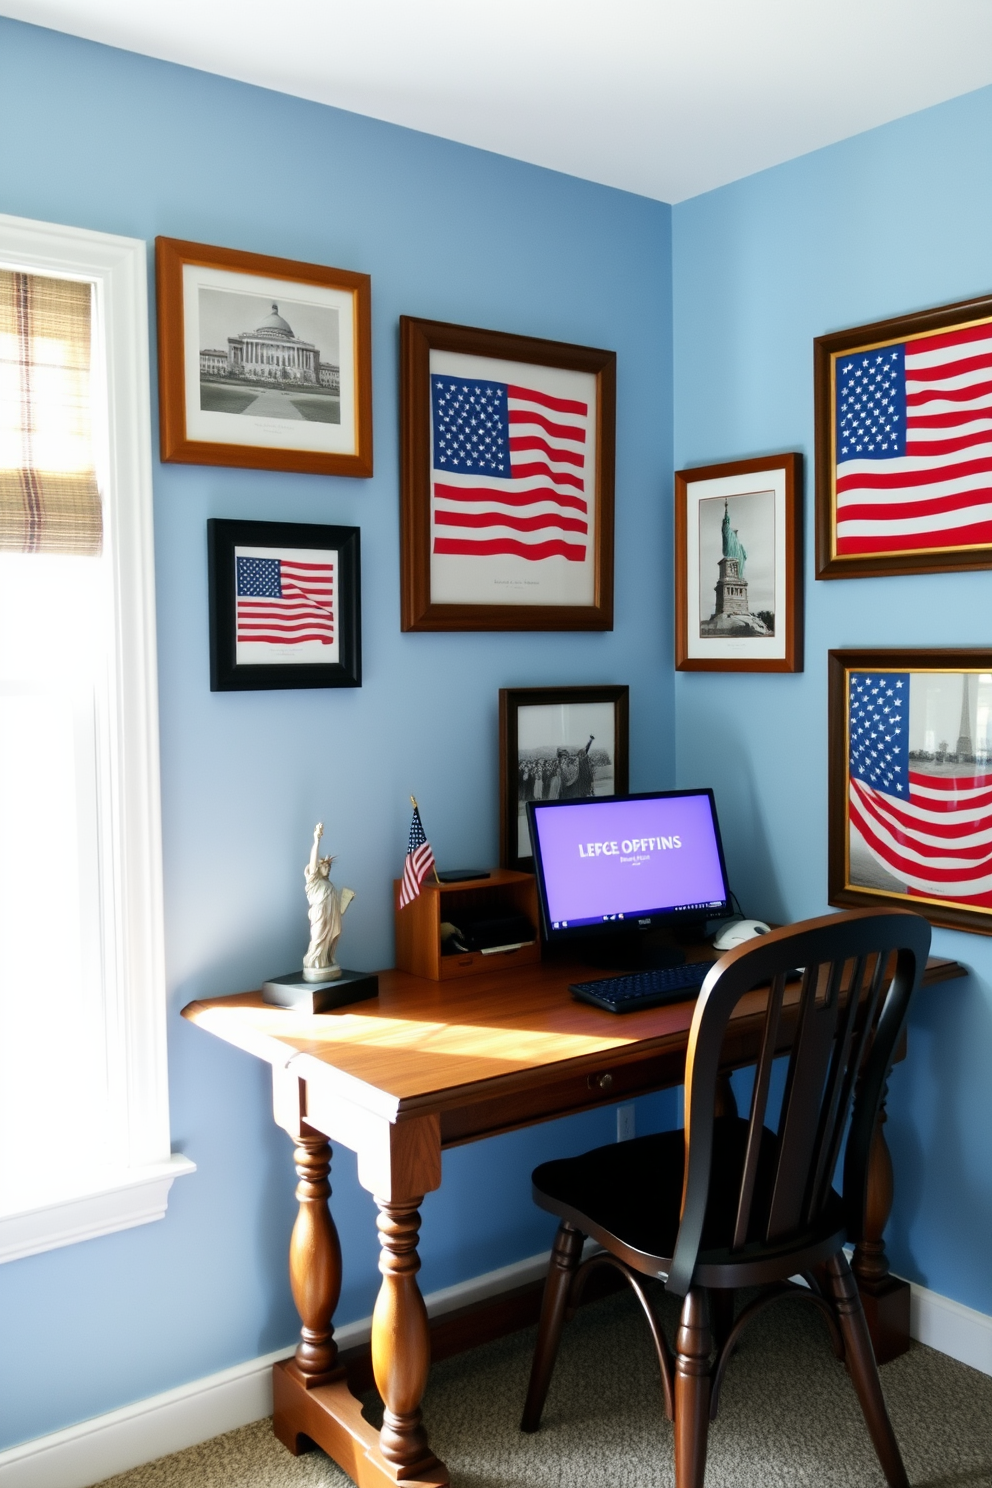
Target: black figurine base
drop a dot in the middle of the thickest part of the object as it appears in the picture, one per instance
(291, 991)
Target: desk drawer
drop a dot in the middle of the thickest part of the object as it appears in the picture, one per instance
(600, 1087)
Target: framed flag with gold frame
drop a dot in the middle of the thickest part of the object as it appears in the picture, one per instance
(904, 444)
(910, 793)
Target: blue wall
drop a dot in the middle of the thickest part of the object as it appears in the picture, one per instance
(888, 222)
(104, 139)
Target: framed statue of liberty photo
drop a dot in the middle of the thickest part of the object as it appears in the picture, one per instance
(506, 481)
(739, 566)
(910, 787)
(264, 363)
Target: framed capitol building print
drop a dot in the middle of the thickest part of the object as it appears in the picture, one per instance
(739, 566)
(264, 363)
(910, 795)
(904, 444)
(506, 481)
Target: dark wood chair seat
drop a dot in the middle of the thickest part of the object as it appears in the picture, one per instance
(603, 1193)
(732, 1202)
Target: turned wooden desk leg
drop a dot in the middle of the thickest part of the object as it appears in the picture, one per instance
(885, 1298)
(315, 1262)
(401, 1339)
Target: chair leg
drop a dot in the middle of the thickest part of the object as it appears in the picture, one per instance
(721, 1315)
(565, 1257)
(862, 1367)
(694, 1344)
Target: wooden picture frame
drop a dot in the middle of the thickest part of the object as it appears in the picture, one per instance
(283, 595)
(754, 620)
(534, 551)
(909, 498)
(273, 397)
(910, 784)
(547, 728)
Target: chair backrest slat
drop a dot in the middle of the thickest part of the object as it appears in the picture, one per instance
(759, 1106)
(848, 1018)
(849, 1052)
(808, 1064)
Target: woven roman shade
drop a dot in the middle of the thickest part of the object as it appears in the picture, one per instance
(49, 497)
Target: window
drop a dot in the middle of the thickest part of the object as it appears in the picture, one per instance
(84, 1129)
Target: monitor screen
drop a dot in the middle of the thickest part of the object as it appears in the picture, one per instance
(620, 863)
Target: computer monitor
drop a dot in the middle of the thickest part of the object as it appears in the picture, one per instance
(621, 866)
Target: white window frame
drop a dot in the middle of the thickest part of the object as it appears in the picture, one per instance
(135, 1010)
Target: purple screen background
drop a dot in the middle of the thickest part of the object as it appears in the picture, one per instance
(588, 888)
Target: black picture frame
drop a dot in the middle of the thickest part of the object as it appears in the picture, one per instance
(227, 672)
(580, 699)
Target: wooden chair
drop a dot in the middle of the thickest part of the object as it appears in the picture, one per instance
(731, 1203)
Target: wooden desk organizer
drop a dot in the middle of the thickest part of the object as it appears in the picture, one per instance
(418, 925)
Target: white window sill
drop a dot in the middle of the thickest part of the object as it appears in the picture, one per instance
(116, 1202)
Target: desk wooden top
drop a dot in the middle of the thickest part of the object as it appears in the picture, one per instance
(434, 1045)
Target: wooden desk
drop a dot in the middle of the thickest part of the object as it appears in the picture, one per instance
(426, 1066)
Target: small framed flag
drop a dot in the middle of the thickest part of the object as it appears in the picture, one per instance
(904, 444)
(285, 605)
(911, 783)
(506, 481)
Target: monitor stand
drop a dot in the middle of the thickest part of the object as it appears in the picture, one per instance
(628, 952)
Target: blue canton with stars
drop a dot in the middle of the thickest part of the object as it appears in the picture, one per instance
(259, 578)
(879, 746)
(871, 404)
(471, 427)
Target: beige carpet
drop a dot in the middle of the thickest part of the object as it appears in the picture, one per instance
(788, 1418)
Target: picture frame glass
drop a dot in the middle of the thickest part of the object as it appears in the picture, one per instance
(269, 362)
(736, 567)
(565, 751)
(286, 606)
(513, 500)
(907, 423)
(919, 786)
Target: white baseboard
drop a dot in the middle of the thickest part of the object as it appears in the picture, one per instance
(113, 1443)
(951, 1328)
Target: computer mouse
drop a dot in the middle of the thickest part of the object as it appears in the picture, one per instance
(736, 932)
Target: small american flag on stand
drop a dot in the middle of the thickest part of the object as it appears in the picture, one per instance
(914, 444)
(931, 831)
(418, 862)
(509, 471)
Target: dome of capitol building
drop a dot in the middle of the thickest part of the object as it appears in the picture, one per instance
(274, 325)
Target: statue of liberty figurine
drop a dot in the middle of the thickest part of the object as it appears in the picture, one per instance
(732, 545)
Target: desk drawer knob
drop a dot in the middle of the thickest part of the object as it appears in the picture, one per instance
(602, 1082)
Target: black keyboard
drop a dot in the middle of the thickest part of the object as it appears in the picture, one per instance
(643, 989)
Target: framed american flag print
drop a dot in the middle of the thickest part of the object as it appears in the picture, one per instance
(910, 797)
(904, 444)
(506, 481)
(285, 605)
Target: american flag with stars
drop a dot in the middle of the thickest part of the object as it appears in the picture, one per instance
(418, 862)
(914, 444)
(283, 602)
(508, 471)
(932, 832)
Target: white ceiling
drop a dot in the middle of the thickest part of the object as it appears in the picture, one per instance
(663, 97)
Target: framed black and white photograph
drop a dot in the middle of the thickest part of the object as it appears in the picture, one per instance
(285, 605)
(557, 743)
(738, 566)
(263, 362)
